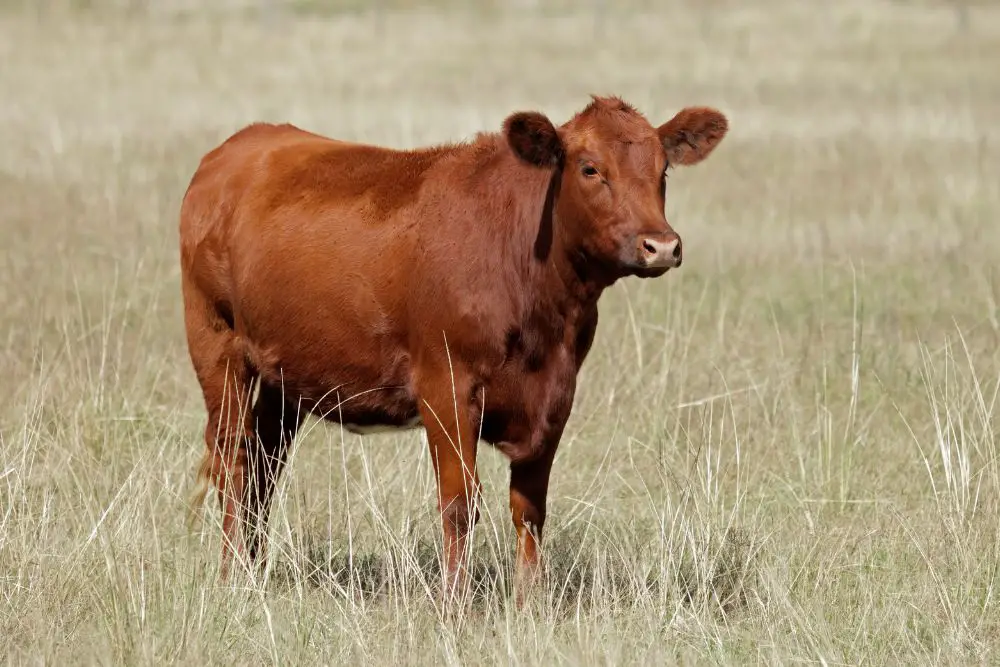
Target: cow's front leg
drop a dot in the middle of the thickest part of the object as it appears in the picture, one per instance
(451, 419)
(529, 487)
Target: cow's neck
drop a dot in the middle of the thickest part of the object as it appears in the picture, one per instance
(555, 282)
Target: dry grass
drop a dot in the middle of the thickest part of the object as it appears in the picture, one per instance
(784, 452)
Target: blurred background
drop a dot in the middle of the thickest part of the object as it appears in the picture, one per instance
(784, 451)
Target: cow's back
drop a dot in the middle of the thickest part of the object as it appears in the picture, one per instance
(239, 169)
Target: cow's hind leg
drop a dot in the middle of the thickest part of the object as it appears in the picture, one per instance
(276, 421)
(226, 380)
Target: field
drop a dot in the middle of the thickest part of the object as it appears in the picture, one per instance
(784, 452)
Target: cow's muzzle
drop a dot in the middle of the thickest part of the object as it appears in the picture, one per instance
(659, 251)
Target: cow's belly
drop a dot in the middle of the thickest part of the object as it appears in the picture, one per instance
(364, 391)
(338, 371)
(370, 429)
(362, 406)
(363, 400)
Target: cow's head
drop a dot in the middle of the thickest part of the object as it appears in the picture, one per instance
(612, 165)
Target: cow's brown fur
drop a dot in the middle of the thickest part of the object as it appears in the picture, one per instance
(455, 285)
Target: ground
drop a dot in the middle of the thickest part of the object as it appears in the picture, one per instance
(785, 451)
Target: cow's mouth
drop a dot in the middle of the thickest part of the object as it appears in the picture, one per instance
(647, 272)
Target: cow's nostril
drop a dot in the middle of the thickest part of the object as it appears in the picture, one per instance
(677, 250)
(649, 247)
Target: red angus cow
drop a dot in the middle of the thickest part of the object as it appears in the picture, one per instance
(452, 287)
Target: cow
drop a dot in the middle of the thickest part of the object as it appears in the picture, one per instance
(453, 288)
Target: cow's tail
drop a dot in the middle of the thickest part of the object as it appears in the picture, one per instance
(203, 482)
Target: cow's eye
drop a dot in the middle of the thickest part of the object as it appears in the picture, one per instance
(589, 170)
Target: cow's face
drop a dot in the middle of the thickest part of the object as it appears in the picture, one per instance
(612, 189)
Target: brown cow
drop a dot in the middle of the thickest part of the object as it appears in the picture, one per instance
(452, 287)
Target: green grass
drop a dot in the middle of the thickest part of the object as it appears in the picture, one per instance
(784, 452)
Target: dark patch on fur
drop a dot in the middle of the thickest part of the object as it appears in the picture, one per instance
(543, 241)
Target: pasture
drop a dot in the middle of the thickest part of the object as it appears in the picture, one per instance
(785, 451)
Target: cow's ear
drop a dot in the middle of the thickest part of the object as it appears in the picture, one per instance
(691, 135)
(533, 138)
